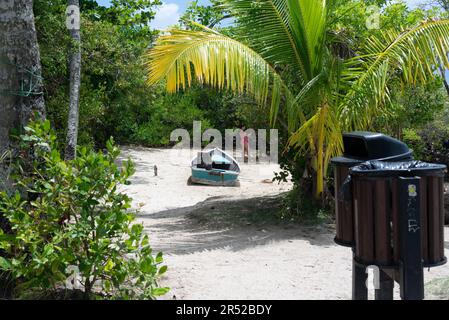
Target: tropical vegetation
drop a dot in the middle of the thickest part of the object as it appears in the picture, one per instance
(286, 54)
(311, 68)
(67, 226)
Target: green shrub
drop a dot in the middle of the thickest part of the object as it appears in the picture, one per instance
(300, 207)
(430, 144)
(69, 223)
(415, 142)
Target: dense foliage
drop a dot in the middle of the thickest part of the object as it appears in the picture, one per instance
(68, 229)
(68, 225)
(321, 67)
(115, 100)
(206, 15)
(430, 142)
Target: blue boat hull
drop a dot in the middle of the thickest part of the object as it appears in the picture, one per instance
(214, 177)
(215, 167)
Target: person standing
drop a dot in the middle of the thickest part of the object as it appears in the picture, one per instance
(244, 139)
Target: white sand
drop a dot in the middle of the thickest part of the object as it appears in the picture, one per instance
(210, 257)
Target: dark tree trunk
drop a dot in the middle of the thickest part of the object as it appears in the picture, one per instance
(20, 90)
(20, 71)
(75, 80)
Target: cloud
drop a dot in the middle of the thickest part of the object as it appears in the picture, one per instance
(166, 15)
(412, 4)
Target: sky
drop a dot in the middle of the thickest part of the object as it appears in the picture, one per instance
(169, 13)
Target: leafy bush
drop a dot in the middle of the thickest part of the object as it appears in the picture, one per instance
(153, 124)
(415, 142)
(430, 144)
(114, 98)
(412, 107)
(70, 226)
(300, 207)
(299, 204)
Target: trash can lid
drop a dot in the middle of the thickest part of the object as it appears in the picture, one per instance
(372, 145)
(394, 169)
(352, 161)
(347, 161)
(360, 146)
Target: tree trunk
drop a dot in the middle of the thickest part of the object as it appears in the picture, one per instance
(73, 24)
(20, 89)
(20, 71)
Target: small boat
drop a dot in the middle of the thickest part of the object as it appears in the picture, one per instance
(215, 167)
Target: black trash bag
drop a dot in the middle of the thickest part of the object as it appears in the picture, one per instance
(394, 169)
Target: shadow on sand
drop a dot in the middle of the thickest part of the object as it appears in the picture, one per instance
(228, 224)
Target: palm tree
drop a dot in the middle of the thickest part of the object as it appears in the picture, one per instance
(288, 59)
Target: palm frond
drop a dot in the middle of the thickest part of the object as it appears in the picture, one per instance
(322, 126)
(284, 32)
(308, 96)
(216, 60)
(308, 23)
(415, 54)
(320, 138)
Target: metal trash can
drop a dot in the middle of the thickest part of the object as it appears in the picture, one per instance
(360, 147)
(393, 200)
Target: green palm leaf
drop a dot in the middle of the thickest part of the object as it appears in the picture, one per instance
(415, 54)
(308, 22)
(285, 58)
(285, 32)
(216, 60)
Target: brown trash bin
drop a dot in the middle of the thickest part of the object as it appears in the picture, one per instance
(360, 147)
(377, 211)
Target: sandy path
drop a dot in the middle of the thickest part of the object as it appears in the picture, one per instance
(169, 190)
(219, 242)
